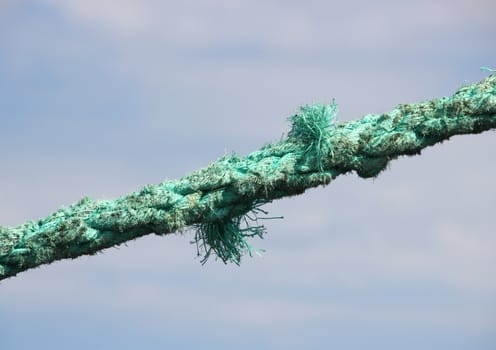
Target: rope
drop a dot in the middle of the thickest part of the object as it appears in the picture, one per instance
(222, 202)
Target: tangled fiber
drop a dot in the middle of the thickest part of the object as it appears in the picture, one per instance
(222, 201)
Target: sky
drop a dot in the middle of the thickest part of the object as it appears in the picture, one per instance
(99, 98)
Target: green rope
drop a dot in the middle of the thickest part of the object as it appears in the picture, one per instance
(222, 201)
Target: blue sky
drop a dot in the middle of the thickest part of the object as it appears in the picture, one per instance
(99, 98)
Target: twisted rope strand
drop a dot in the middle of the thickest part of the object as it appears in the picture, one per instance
(217, 200)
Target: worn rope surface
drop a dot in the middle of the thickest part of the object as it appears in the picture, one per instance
(222, 201)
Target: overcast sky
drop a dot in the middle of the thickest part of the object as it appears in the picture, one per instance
(99, 98)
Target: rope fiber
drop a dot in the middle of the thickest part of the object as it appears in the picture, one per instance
(222, 202)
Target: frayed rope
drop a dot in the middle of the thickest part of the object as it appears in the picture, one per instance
(313, 126)
(227, 238)
(223, 200)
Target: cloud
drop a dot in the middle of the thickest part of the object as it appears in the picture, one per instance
(160, 89)
(126, 17)
(277, 24)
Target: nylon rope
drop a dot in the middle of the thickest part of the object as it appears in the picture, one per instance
(223, 202)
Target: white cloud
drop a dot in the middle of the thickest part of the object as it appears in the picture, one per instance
(353, 240)
(276, 24)
(123, 16)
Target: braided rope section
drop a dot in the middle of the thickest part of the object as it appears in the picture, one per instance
(222, 201)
